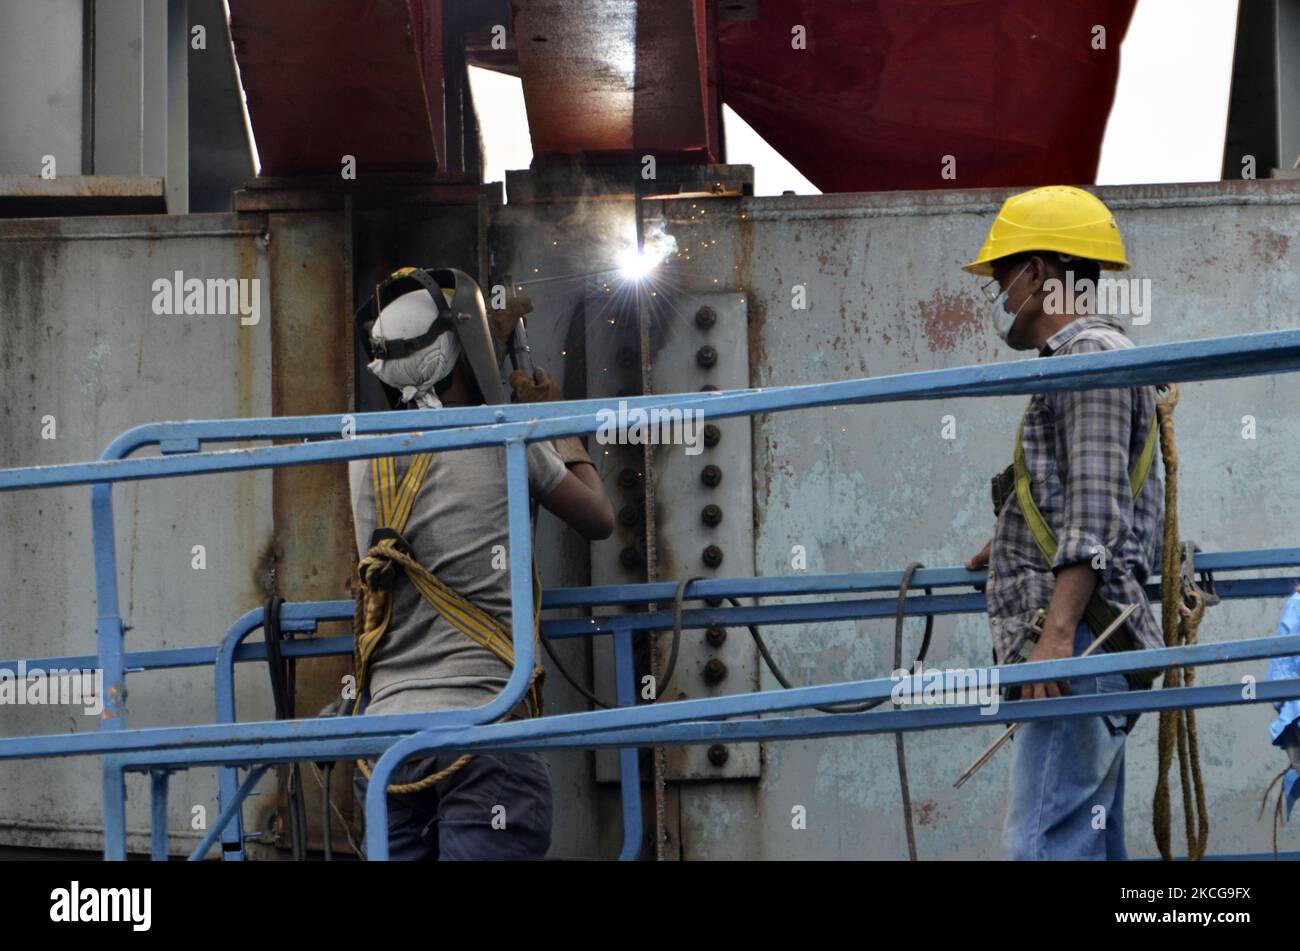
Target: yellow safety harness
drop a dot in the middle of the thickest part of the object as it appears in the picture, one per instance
(373, 580)
(1098, 612)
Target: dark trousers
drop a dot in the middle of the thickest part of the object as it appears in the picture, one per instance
(498, 807)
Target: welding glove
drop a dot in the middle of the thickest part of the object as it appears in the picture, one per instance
(542, 389)
(504, 321)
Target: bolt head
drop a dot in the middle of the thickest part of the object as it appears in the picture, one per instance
(711, 435)
(705, 317)
(706, 356)
(711, 475)
(712, 556)
(718, 754)
(711, 515)
(630, 557)
(715, 671)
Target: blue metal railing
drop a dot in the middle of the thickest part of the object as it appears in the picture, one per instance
(230, 743)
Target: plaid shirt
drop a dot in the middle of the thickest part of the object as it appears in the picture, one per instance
(1079, 445)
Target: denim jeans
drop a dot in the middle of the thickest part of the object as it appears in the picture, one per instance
(498, 807)
(1067, 780)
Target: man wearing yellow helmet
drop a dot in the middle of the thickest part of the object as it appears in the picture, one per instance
(1078, 522)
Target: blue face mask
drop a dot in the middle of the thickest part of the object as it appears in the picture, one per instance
(1001, 318)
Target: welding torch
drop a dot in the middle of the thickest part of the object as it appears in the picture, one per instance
(517, 343)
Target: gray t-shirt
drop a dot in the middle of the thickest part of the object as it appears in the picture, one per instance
(458, 519)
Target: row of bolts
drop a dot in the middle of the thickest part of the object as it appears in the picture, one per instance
(715, 671)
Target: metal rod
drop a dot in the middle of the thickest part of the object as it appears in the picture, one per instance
(567, 277)
(1006, 734)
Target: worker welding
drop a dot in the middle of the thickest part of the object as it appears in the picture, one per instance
(696, 431)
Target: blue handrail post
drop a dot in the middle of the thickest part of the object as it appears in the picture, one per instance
(629, 767)
(232, 834)
(114, 810)
(158, 804)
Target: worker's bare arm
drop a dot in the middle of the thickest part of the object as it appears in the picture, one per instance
(980, 560)
(580, 501)
(1074, 586)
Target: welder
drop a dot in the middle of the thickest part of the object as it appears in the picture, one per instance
(1079, 517)
(434, 607)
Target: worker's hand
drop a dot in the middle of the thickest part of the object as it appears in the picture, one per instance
(503, 321)
(1049, 647)
(540, 389)
(981, 560)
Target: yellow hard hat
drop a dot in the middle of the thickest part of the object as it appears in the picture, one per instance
(1056, 218)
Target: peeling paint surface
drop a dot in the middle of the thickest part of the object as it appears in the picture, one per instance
(79, 342)
(873, 488)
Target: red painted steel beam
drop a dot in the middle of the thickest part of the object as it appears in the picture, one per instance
(616, 77)
(1016, 91)
(344, 77)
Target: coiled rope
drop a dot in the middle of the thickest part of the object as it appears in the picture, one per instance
(1179, 621)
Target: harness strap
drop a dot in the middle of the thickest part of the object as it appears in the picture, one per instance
(376, 572)
(1098, 612)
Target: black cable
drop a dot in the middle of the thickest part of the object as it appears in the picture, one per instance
(672, 653)
(550, 652)
(671, 666)
(282, 697)
(899, 749)
(898, 641)
(327, 827)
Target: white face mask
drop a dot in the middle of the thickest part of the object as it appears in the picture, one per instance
(1001, 318)
(417, 374)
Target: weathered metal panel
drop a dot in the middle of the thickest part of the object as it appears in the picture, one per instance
(80, 342)
(876, 488)
(40, 49)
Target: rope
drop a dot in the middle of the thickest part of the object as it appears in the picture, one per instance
(372, 594)
(1180, 621)
(899, 748)
(1277, 808)
(428, 782)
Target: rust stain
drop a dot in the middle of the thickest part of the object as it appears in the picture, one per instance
(1270, 247)
(947, 317)
(264, 570)
(927, 813)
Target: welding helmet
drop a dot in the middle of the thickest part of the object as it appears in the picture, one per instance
(398, 323)
(1058, 218)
